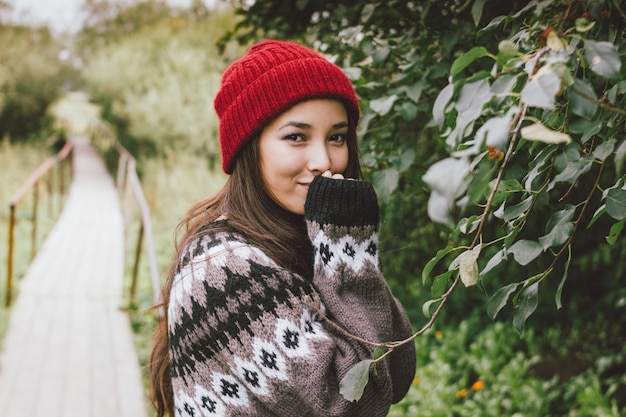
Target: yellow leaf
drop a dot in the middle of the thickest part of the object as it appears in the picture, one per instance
(554, 42)
(469, 268)
(539, 132)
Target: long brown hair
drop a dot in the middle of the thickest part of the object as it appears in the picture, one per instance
(251, 211)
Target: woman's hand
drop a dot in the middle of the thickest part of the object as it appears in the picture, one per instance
(329, 174)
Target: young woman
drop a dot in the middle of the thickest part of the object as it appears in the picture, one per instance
(277, 283)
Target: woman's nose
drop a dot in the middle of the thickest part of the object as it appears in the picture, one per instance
(318, 158)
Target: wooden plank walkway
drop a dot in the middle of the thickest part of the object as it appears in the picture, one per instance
(69, 351)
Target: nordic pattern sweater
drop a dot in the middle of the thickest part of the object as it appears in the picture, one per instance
(246, 337)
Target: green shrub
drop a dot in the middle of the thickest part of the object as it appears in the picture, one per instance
(470, 371)
(31, 78)
(157, 85)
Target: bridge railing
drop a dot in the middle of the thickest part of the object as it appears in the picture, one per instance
(56, 188)
(122, 166)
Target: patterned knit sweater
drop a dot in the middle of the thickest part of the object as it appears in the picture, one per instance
(246, 338)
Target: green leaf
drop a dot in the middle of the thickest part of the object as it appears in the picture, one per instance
(620, 157)
(557, 236)
(380, 54)
(353, 383)
(496, 131)
(385, 182)
(468, 269)
(526, 306)
(469, 225)
(574, 169)
(440, 283)
(495, 22)
(584, 25)
(495, 260)
(605, 149)
(616, 203)
(479, 182)
(560, 217)
(591, 132)
(438, 209)
(406, 159)
(499, 299)
(539, 166)
(353, 73)
(414, 92)
(477, 10)
(541, 133)
(582, 99)
(615, 91)
(503, 84)
(541, 90)
(508, 48)
(441, 102)
(559, 290)
(525, 251)
(506, 189)
(446, 175)
(518, 210)
(599, 212)
(379, 351)
(603, 58)
(367, 12)
(383, 105)
(615, 232)
(563, 72)
(364, 123)
(408, 111)
(426, 307)
(434, 261)
(472, 98)
(467, 58)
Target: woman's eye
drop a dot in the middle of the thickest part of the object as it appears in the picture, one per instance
(339, 137)
(296, 137)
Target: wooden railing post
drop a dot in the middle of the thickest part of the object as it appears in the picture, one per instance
(133, 283)
(11, 242)
(50, 191)
(34, 219)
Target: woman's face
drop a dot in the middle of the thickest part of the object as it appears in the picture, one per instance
(307, 140)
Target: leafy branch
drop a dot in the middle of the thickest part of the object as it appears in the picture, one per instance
(522, 129)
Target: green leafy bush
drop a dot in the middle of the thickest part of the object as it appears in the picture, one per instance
(157, 84)
(465, 371)
(435, 78)
(31, 78)
(455, 98)
(534, 133)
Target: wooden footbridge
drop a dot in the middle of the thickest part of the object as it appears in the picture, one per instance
(69, 351)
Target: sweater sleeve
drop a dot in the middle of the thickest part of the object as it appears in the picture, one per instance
(342, 219)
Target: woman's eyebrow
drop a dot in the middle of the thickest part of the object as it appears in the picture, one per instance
(300, 125)
(340, 125)
(305, 126)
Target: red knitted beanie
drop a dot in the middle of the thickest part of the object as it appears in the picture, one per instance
(268, 80)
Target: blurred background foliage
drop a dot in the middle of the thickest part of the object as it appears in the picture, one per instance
(154, 70)
(31, 77)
